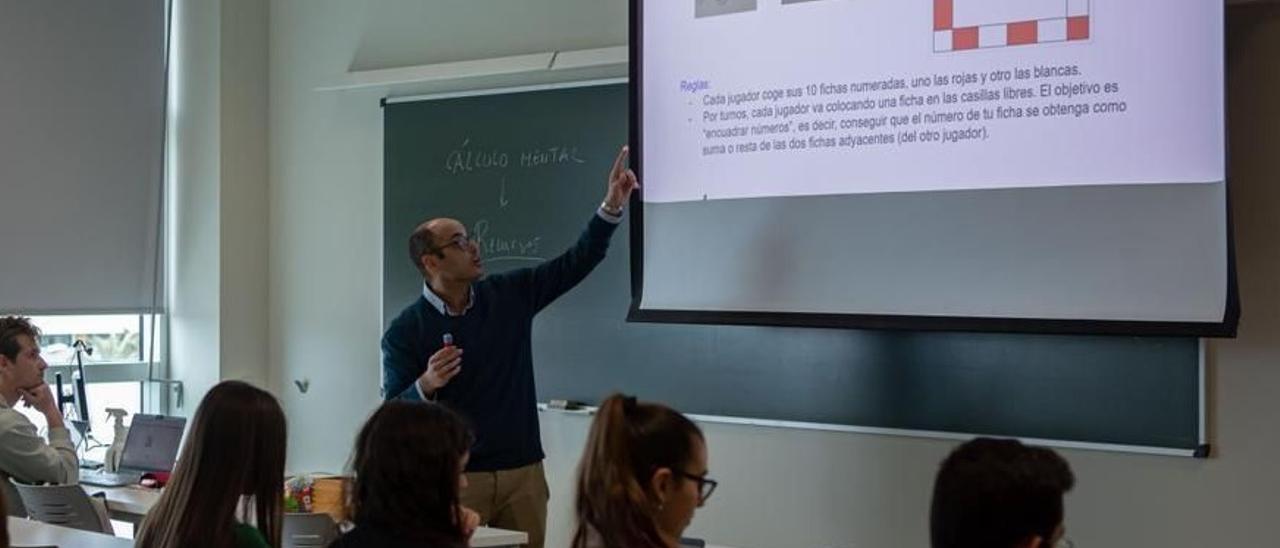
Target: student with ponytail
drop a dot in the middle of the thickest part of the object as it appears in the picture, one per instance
(642, 475)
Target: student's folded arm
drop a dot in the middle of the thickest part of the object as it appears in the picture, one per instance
(27, 457)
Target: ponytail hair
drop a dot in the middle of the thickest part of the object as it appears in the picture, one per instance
(628, 442)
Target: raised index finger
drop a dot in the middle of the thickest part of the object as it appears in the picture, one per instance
(619, 162)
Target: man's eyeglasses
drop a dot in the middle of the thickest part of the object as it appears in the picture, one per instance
(706, 486)
(463, 242)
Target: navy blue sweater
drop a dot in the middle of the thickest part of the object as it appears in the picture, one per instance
(494, 390)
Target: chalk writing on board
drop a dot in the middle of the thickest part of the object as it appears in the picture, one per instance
(500, 248)
(548, 156)
(465, 159)
(502, 194)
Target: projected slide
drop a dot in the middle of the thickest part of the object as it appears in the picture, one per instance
(1034, 165)
(775, 98)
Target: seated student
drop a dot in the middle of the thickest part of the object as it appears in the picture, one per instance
(24, 455)
(232, 463)
(408, 468)
(999, 493)
(643, 473)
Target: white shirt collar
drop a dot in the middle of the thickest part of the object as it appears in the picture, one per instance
(439, 305)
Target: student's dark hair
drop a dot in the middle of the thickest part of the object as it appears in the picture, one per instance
(12, 327)
(995, 493)
(628, 442)
(234, 452)
(406, 463)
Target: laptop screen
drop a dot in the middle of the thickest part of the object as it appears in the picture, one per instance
(152, 443)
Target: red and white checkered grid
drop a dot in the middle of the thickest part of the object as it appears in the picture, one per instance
(1073, 24)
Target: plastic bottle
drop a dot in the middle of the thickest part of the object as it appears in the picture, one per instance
(111, 463)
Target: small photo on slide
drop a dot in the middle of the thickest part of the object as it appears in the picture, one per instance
(711, 8)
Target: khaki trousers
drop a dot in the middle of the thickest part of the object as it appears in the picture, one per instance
(511, 499)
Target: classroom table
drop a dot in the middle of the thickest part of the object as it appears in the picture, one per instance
(25, 532)
(127, 504)
(131, 503)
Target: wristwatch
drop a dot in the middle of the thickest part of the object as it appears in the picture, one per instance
(615, 211)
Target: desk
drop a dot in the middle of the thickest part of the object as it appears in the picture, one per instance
(131, 503)
(24, 532)
(489, 537)
(127, 503)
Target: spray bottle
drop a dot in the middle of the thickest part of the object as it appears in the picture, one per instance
(111, 463)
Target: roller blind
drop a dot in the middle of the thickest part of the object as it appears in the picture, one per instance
(82, 106)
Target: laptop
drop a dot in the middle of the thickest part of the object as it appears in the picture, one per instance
(150, 446)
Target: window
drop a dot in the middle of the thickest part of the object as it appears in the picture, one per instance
(115, 372)
(113, 339)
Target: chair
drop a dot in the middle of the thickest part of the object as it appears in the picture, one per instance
(308, 531)
(13, 504)
(65, 505)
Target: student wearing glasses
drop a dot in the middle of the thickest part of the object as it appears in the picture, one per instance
(999, 493)
(467, 342)
(642, 475)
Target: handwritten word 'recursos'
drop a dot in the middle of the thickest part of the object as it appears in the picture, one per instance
(496, 248)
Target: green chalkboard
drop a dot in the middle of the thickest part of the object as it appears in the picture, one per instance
(524, 171)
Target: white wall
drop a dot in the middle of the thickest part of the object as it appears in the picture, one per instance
(218, 203)
(326, 231)
(780, 487)
(194, 277)
(243, 154)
